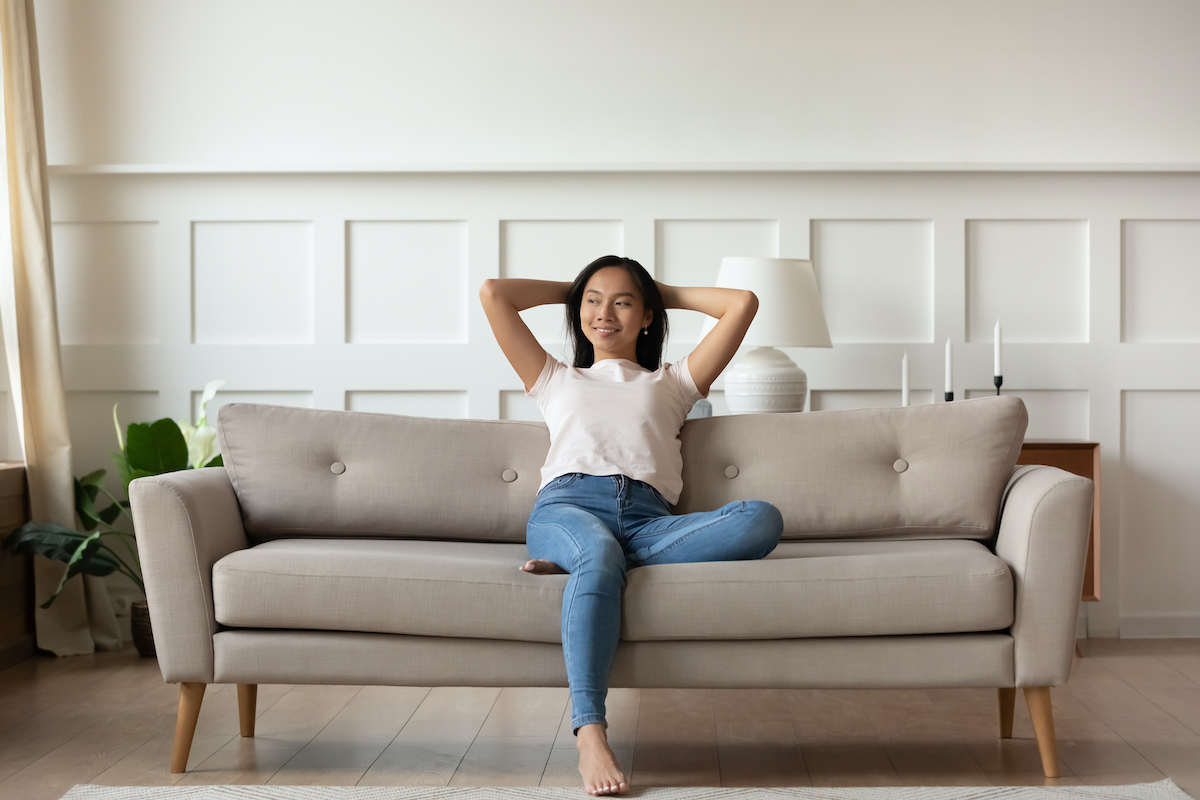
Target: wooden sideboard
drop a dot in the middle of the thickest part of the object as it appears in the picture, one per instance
(1081, 458)
(16, 572)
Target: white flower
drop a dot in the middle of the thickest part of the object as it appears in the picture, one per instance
(202, 438)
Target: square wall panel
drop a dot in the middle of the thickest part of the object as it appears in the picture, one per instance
(689, 253)
(94, 436)
(273, 398)
(875, 279)
(1160, 504)
(1032, 275)
(1160, 271)
(515, 405)
(406, 282)
(441, 405)
(252, 282)
(106, 282)
(851, 399)
(1053, 413)
(554, 250)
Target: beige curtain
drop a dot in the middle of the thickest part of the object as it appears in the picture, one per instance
(81, 619)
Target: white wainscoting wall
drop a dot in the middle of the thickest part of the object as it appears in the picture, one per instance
(358, 291)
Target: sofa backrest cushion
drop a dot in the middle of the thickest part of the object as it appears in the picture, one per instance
(935, 471)
(303, 472)
(923, 472)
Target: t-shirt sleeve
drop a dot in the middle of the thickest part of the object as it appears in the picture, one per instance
(551, 366)
(687, 386)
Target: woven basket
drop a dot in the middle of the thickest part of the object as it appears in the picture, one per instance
(143, 636)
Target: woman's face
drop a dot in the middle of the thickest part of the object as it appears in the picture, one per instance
(613, 313)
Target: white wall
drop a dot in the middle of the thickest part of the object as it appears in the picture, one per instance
(307, 82)
(199, 232)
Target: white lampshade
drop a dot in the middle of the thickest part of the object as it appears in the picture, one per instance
(789, 305)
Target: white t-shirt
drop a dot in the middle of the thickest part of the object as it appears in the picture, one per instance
(616, 418)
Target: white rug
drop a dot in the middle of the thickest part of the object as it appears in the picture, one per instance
(1162, 790)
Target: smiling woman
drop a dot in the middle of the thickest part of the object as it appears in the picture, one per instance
(615, 467)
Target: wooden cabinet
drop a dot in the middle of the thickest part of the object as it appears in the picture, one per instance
(1081, 458)
(16, 572)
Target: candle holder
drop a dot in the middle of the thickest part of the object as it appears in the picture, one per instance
(998, 380)
(949, 397)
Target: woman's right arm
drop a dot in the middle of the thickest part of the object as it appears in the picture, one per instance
(502, 298)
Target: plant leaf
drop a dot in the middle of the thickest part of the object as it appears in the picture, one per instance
(90, 557)
(110, 514)
(93, 478)
(85, 504)
(156, 448)
(216, 462)
(45, 539)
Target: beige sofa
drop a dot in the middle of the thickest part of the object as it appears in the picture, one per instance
(341, 547)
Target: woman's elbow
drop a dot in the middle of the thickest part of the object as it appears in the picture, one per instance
(490, 290)
(751, 302)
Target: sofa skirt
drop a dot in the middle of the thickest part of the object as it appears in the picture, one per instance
(877, 662)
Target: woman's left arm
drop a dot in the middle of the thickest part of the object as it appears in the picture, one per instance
(734, 310)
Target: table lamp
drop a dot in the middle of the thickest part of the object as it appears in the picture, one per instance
(789, 315)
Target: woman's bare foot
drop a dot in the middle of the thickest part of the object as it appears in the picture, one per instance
(598, 764)
(539, 567)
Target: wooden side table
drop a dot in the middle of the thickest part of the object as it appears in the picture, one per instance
(1081, 458)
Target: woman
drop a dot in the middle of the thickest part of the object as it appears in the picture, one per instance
(614, 467)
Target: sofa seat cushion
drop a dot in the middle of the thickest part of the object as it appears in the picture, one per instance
(476, 590)
(825, 588)
(419, 587)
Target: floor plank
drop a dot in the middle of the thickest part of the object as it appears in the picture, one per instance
(362, 730)
(504, 761)
(676, 739)
(1129, 713)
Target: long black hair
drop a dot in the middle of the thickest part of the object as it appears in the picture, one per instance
(649, 346)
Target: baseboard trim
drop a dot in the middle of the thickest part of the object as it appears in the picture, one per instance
(1164, 626)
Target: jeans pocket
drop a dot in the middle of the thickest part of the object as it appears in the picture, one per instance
(563, 481)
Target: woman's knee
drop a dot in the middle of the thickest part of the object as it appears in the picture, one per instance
(766, 524)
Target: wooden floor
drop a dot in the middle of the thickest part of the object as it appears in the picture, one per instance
(1129, 714)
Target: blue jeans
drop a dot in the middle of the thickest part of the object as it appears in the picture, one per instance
(598, 527)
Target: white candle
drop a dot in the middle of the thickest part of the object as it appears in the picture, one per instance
(998, 371)
(949, 369)
(904, 381)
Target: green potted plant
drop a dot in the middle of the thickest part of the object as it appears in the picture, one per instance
(148, 449)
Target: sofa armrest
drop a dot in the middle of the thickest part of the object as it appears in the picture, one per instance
(185, 522)
(1043, 537)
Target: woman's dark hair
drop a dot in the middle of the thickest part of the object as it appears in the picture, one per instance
(649, 346)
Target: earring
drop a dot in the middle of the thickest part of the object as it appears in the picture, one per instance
(645, 331)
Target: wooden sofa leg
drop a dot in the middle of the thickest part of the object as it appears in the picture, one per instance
(1007, 699)
(190, 697)
(247, 698)
(1038, 700)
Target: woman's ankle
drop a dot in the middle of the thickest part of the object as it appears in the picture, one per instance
(592, 732)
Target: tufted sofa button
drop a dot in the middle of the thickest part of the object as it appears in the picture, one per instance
(337, 468)
(900, 465)
(731, 471)
(508, 475)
